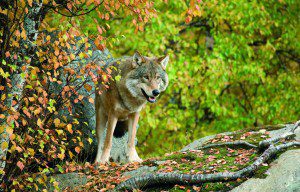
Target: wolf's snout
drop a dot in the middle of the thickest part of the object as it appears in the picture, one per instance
(155, 92)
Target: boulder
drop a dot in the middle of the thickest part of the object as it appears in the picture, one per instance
(283, 175)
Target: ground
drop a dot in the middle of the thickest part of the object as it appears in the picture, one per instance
(194, 159)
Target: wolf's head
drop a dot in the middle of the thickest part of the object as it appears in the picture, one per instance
(148, 77)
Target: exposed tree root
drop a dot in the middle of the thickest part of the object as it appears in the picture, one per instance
(233, 143)
(159, 179)
(289, 135)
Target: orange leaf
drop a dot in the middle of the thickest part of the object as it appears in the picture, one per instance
(88, 87)
(91, 100)
(99, 29)
(20, 165)
(7, 54)
(77, 149)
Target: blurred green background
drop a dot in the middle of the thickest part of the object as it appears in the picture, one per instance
(234, 65)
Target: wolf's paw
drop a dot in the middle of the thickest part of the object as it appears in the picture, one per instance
(133, 156)
(136, 159)
(103, 158)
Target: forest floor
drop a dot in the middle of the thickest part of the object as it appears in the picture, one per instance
(205, 156)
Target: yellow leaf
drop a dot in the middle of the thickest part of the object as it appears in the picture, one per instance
(56, 122)
(4, 145)
(31, 99)
(39, 123)
(69, 128)
(3, 97)
(23, 34)
(37, 111)
(30, 3)
(71, 154)
(31, 151)
(61, 156)
(1, 129)
(9, 130)
(59, 131)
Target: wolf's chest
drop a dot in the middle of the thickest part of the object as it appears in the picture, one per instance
(122, 112)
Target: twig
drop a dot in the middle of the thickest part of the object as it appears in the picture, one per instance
(158, 179)
(296, 125)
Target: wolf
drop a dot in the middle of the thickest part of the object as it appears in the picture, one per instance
(142, 79)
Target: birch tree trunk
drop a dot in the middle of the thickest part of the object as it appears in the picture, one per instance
(31, 23)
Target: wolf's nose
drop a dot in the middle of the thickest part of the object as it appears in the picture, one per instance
(155, 92)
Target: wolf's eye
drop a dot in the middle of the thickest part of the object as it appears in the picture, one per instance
(158, 77)
(146, 77)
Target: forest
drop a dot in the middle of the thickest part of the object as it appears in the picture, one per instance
(233, 65)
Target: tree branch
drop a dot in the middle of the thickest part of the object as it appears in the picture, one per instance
(289, 135)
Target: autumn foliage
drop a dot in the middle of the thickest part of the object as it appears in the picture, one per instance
(233, 64)
(38, 80)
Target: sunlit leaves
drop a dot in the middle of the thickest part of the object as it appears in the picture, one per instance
(204, 95)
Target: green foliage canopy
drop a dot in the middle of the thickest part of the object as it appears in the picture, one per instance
(233, 64)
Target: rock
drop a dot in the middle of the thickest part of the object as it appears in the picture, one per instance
(283, 175)
(140, 171)
(70, 180)
(284, 172)
(199, 143)
(276, 133)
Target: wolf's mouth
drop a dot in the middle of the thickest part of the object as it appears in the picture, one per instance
(150, 99)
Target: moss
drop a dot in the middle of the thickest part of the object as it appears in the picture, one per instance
(267, 127)
(221, 186)
(261, 172)
(179, 156)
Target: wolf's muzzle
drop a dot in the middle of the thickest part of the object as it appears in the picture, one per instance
(150, 99)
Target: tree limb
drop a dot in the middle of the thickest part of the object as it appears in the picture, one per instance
(289, 135)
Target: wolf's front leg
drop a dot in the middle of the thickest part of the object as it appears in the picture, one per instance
(101, 120)
(111, 125)
(132, 124)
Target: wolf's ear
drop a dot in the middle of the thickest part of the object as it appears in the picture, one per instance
(164, 61)
(138, 59)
